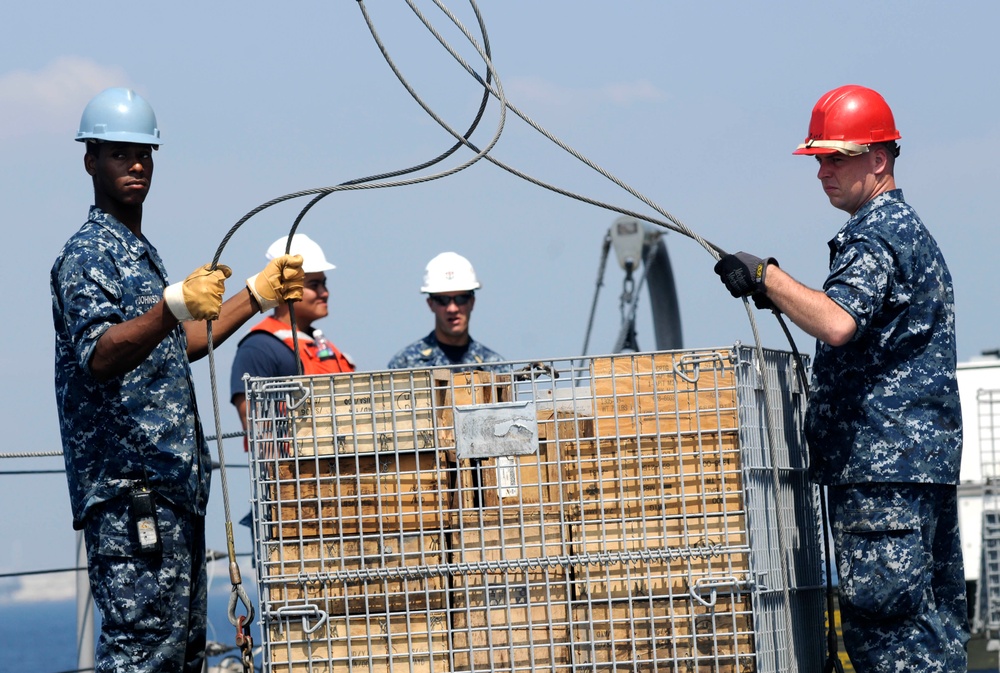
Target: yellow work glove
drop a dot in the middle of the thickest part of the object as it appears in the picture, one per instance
(282, 280)
(199, 296)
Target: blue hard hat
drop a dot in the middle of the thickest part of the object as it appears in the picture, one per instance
(119, 115)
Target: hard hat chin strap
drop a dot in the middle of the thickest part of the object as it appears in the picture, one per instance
(842, 146)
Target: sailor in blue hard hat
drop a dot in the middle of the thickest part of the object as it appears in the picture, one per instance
(137, 463)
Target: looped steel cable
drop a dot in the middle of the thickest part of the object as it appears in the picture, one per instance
(238, 592)
(493, 87)
(673, 223)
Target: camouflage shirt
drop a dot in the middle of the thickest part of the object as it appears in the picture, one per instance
(427, 352)
(884, 407)
(140, 425)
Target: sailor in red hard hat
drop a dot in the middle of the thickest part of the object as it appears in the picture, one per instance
(883, 420)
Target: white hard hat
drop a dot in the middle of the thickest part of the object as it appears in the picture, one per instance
(449, 272)
(313, 259)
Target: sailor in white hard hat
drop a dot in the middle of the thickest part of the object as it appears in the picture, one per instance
(450, 284)
(268, 350)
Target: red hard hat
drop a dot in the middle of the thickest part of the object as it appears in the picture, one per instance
(847, 120)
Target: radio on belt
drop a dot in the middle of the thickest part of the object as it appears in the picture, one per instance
(144, 520)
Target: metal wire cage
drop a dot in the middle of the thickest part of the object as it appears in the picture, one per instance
(639, 512)
(987, 607)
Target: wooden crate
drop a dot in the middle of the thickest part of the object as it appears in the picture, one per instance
(658, 557)
(364, 413)
(363, 493)
(681, 634)
(458, 389)
(679, 499)
(657, 476)
(507, 483)
(511, 621)
(509, 616)
(561, 426)
(514, 483)
(301, 571)
(663, 393)
(389, 643)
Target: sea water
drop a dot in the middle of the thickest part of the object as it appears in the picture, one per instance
(40, 637)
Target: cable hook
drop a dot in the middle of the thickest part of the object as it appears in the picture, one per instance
(245, 642)
(628, 287)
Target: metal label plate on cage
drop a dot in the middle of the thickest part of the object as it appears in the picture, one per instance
(495, 430)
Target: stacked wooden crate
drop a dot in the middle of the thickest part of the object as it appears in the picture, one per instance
(620, 543)
(660, 487)
(363, 503)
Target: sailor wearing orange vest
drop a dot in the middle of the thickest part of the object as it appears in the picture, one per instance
(268, 349)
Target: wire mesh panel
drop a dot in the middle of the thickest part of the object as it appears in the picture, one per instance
(987, 613)
(641, 512)
(988, 419)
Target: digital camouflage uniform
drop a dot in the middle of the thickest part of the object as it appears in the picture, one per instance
(427, 353)
(885, 434)
(138, 428)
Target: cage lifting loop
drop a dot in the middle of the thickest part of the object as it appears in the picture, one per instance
(694, 362)
(293, 389)
(711, 587)
(305, 612)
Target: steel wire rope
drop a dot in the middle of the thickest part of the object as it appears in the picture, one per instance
(353, 185)
(672, 222)
(54, 454)
(234, 571)
(678, 226)
(675, 225)
(833, 663)
(404, 171)
(239, 593)
(32, 454)
(601, 265)
(22, 473)
(359, 183)
(365, 183)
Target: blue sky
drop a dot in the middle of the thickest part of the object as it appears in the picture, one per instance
(695, 105)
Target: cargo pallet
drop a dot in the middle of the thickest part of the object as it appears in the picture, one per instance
(639, 512)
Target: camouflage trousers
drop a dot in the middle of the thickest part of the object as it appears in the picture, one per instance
(902, 584)
(153, 606)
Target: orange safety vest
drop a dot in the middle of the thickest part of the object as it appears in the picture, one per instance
(308, 350)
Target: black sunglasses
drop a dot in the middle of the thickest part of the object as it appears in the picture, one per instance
(443, 300)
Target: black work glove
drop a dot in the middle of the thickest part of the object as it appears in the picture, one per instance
(743, 275)
(763, 302)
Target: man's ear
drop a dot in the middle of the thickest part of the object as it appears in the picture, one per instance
(880, 159)
(90, 163)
